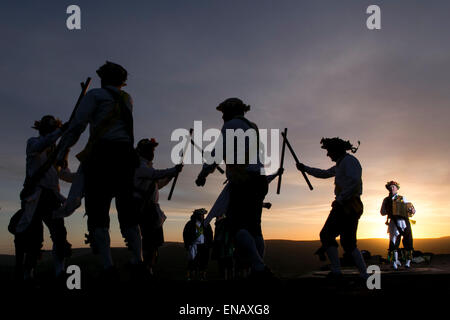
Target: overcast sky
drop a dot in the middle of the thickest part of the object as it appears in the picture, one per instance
(311, 66)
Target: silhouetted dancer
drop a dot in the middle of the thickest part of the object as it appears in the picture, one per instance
(108, 162)
(223, 247)
(197, 237)
(247, 183)
(39, 206)
(147, 182)
(398, 211)
(347, 207)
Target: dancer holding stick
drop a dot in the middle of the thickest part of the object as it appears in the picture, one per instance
(346, 209)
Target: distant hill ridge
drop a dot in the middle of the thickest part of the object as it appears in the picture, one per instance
(285, 257)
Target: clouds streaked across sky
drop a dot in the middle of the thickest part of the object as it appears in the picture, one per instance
(310, 66)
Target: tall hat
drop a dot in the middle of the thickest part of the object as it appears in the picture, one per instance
(233, 104)
(112, 73)
(337, 143)
(392, 182)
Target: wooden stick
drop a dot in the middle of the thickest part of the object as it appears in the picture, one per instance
(201, 150)
(297, 161)
(84, 88)
(31, 182)
(283, 149)
(176, 176)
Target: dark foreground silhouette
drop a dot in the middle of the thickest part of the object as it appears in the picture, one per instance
(300, 285)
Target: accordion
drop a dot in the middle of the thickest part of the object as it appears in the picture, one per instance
(402, 209)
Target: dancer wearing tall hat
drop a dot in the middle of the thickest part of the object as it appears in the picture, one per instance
(38, 207)
(347, 207)
(108, 163)
(197, 237)
(147, 182)
(398, 211)
(247, 182)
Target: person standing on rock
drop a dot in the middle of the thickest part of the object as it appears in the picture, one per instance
(398, 210)
(347, 207)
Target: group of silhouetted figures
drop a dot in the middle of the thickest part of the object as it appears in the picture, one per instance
(112, 167)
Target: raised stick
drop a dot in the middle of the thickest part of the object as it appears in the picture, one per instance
(283, 149)
(176, 176)
(297, 161)
(201, 150)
